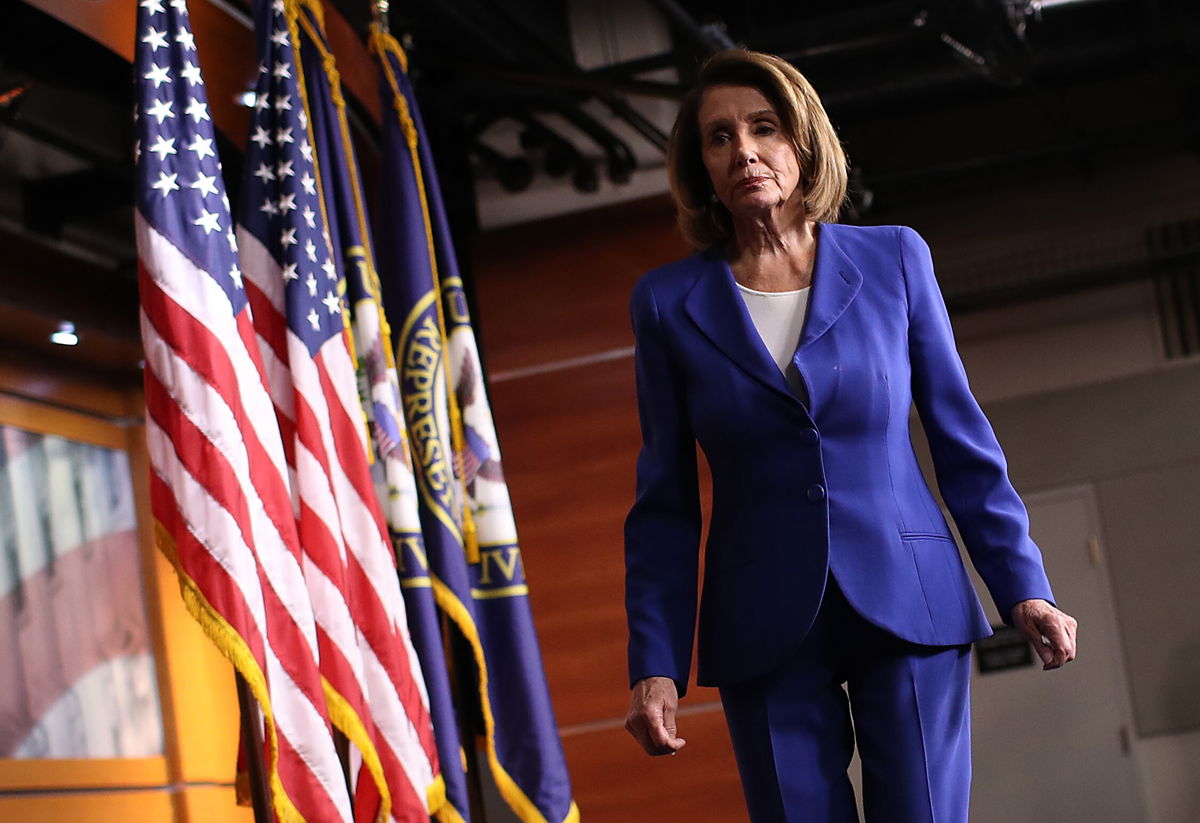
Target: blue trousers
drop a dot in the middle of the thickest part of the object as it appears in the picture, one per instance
(793, 733)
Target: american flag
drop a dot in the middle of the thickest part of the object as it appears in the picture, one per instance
(219, 479)
(296, 292)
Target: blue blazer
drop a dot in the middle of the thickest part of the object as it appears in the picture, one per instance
(802, 490)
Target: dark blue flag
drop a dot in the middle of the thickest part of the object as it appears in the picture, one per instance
(473, 555)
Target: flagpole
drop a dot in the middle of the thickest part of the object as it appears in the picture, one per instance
(252, 745)
(458, 653)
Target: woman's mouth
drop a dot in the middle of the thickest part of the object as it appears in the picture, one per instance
(752, 182)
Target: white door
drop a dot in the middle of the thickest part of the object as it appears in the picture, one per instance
(1057, 746)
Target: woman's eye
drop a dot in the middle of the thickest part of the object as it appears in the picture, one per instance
(765, 128)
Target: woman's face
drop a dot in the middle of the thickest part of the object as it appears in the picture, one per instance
(750, 160)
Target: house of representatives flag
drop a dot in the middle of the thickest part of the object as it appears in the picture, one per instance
(379, 387)
(219, 479)
(478, 578)
(376, 691)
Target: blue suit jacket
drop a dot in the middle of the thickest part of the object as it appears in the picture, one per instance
(802, 490)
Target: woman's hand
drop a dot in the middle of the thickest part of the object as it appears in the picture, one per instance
(651, 718)
(1052, 632)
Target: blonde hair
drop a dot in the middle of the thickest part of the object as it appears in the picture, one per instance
(705, 222)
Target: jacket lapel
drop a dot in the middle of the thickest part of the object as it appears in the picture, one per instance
(716, 307)
(836, 281)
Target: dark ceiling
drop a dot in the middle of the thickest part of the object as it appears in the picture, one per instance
(931, 98)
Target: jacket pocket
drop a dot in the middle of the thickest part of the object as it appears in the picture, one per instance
(945, 584)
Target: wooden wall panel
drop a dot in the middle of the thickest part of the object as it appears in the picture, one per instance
(560, 288)
(614, 783)
(569, 436)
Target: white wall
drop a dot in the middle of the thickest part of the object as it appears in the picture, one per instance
(1080, 393)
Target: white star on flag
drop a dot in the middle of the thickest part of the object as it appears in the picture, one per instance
(264, 172)
(306, 150)
(282, 70)
(289, 272)
(179, 6)
(311, 282)
(158, 74)
(207, 221)
(152, 6)
(310, 217)
(269, 207)
(280, 37)
(191, 73)
(314, 319)
(283, 103)
(235, 274)
(185, 38)
(166, 182)
(310, 249)
(261, 137)
(204, 184)
(155, 39)
(161, 109)
(260, 102)
(162, 147)
(202, 146)
(284, 169)
(284, 136)
(287, 237)
(196, 110)
(332, 302)
(287, 202)
(330, 269)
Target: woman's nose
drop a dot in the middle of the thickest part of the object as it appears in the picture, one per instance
(746, 153)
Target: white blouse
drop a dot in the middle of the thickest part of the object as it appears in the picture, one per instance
(779, 318)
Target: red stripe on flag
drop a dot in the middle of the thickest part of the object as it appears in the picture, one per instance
(269, 323)
(198, 564)
(371, 614)
(202, 459)
(195, 343)
(305, 792)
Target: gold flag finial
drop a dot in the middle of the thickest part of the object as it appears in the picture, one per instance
(381, 14)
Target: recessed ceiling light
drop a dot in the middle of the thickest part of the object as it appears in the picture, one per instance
(65, 336)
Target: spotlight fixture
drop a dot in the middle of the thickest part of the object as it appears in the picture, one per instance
(247, 98)
(65, 336)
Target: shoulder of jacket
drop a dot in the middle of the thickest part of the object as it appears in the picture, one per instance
(869, 234)
(674, 278)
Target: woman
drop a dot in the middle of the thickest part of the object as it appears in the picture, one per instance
(792, 349)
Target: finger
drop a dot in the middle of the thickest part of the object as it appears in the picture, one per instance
(650, 732)
(669, 724)
(660, 735)
(637, 726)
(1033, 633)
(1059, 643)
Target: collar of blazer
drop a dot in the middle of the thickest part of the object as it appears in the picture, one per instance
(720, 313)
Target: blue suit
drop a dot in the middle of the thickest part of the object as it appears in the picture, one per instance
(804, 491)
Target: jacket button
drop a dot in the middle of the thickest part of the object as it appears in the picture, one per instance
(810, 437)
(816, 493)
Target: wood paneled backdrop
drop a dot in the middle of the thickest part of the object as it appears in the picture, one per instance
(554, 321)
